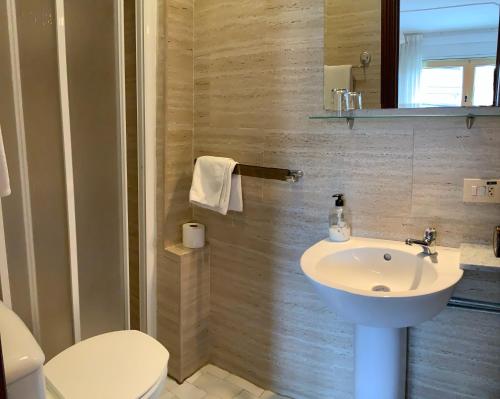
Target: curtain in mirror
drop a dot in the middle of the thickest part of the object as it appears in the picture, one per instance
(410, 69)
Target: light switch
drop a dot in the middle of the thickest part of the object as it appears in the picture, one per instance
(482, 191)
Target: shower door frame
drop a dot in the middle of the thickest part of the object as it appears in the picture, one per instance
(25, 185)
(146, 42)
(146, 46)
(68, 163)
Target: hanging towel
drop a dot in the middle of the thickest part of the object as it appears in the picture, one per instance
(214, 186)
(4, 172)
(236, 196)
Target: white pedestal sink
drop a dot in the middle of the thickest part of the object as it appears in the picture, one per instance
(383, 287)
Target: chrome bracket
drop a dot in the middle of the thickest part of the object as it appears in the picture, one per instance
(350, 122)
(365, 58)
(469, 121)
(294, 176)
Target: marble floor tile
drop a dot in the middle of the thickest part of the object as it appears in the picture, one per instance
(214, 370)
(194, 376)
(217, 387)
(212, 382)
(271, 395)
(244, 384)
(171, 384)
(246, 395)
(167, 395)
(189, 391)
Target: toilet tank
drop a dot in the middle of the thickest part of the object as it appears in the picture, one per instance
(23, 358)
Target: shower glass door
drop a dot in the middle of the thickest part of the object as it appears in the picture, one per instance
(62, 117)
(92, 49)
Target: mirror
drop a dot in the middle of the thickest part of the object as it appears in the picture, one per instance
(412, 53)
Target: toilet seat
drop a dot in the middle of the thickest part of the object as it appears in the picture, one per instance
(116, 365)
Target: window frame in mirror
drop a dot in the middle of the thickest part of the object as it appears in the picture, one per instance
(390, 57)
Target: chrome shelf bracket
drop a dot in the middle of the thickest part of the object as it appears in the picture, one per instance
(469, 121)
(350, 122)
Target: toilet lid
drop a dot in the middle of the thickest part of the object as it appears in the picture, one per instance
(116, 365)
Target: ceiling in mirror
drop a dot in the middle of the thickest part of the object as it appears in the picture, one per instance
(447, 15)
(443, 53)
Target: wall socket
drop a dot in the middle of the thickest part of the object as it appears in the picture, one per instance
(482, 191)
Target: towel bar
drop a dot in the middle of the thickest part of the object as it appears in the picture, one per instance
(288, 175)
(480, 306)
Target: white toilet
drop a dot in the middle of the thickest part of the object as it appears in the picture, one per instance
(116, 365)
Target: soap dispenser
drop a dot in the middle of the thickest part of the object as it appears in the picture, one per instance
(339, 230)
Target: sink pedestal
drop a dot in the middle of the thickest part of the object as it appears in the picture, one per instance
(380, 362)
(381, 283)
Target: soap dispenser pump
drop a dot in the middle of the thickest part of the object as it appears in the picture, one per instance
(339, 230)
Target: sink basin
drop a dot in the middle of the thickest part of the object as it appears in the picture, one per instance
(383, 287)
(382, 283)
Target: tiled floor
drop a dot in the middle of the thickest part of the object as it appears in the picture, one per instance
(212, 382)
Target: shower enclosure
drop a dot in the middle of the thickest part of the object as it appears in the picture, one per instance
(65, 264)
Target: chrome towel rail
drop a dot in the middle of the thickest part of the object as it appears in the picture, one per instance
(480, 306)
(288, 175)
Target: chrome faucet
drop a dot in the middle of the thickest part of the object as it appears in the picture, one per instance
(428, 243)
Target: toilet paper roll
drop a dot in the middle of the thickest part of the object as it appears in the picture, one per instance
(193, 235)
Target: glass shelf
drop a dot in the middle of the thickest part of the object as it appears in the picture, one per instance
(469, 116)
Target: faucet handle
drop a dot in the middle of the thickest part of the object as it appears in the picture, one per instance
(430, 233)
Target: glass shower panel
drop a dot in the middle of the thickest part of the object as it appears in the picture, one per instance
(91, 46)
(42, 119)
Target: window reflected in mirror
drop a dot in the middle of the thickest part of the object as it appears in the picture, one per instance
(447, 53)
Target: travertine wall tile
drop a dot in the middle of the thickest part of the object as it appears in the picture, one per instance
(351, 28)
(168, 319)
(184, 307)
(195, 310)
(379, 176)
(480, 285)
(183, 276)
(441, 163)
(258, 76)
(178, 152)
(446, 364)
(247, 291)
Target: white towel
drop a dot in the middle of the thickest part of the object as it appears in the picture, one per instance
(4, 172)
(336, 77)
(214, 186)
(236, 196)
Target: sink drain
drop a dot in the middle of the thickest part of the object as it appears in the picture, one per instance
(381, 288)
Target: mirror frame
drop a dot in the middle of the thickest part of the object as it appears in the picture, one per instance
(390, 57)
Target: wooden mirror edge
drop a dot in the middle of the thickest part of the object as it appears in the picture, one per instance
(496, 84)
(389, 54)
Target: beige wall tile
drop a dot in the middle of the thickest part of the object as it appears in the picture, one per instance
(179, 81)
(184, 308)
(258, 76)
(351, 28)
